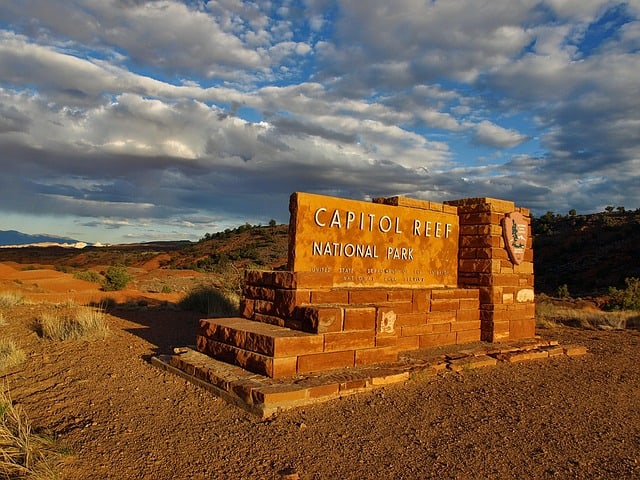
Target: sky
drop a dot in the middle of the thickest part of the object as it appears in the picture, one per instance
(129, 120)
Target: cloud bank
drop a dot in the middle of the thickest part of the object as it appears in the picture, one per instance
(134, 120)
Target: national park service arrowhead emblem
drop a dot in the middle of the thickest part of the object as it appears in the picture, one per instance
(514, 231)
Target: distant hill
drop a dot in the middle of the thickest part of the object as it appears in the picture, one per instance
(13, 237)
(588, 253)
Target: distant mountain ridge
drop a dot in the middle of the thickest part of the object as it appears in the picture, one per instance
(14, 237)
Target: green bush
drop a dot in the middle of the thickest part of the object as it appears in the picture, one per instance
(116, 278)
(211, 301)
(625, 299)
(88, 276)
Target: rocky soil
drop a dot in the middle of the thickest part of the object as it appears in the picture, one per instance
(121, 418)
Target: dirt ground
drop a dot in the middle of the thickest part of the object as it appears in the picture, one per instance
(122, 418)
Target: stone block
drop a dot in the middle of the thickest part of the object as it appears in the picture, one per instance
(574, 350)
(554, 350)
(359, 318)
(376, 355)
(406, 319)
(471, 362)
(447, 316)
(421, 300)
(254, 362)
(386, 341)
(476, 266)
(524, 328)
(283, 393)
(320, 319)
(270, 319)
(246, 308)
(441, 327)
(264, 306)
(284, 279)
(437, 340)
(285, 301)
(463, 316)
(319, 362)
(515, 357)
(367, 296)
(415, 330)
(348, 340)
(354, 384)
(406, 343)
(461, 326)
(319, 391)
(467, 336)
(258, 277)
(390, 379)
(259, 293)
(400, 295)
(329, 296)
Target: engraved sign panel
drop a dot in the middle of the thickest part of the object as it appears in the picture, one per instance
(374, 244)
(514, 231)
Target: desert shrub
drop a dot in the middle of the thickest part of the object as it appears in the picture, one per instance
(89, 276)
(116, 278)
(627, 298)
(10, 354)
(72, 323)
(23, 453)
(10, 299)
(563, 291)
(166, 289)
(211, 301)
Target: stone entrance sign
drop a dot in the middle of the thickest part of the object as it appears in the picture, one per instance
(410, 243)
(367, 280)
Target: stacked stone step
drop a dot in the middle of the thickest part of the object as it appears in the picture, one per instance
(507, 308)
(296, 323)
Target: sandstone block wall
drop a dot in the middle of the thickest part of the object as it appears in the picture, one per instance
(507, 308)
(403, 319)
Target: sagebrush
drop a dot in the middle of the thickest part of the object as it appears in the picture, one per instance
(72, 322)
(23, 453)
(10, 354)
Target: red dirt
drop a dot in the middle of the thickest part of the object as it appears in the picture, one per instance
(122, 418)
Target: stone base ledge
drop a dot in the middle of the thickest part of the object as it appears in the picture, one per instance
(264, 396)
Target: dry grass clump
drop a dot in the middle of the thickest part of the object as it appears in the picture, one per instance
(549, 315)
(10, 299)
(72, 322)
(23, 454)
(10, 354)
(211, 301)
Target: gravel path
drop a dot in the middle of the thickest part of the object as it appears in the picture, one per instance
(123, 418)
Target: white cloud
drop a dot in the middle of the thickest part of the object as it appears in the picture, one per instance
(492, 135)
(149, 110)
